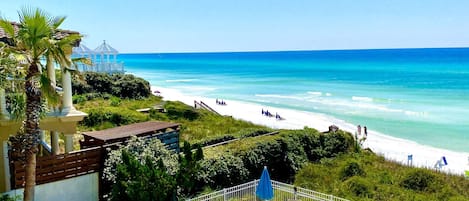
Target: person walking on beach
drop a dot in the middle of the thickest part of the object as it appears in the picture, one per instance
(359, 129)
(365, 130)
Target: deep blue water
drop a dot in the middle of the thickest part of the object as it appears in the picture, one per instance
(416, 94)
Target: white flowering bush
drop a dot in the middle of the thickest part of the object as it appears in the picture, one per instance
(143, 149)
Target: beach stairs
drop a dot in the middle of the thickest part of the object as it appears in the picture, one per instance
(202, 105)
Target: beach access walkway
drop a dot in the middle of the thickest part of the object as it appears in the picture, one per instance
(202, 105)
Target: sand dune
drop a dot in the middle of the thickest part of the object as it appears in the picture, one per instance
(392, 148)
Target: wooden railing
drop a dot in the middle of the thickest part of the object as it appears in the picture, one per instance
(58, 167)
(205, 106)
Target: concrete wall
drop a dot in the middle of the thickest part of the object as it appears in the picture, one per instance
(80, 188)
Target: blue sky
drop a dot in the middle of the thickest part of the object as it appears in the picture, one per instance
(259, 25)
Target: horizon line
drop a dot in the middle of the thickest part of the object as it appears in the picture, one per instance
(299, 50)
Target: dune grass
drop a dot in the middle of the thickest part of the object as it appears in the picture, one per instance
(366, 176)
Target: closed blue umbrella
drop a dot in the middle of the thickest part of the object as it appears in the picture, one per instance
(264, 189)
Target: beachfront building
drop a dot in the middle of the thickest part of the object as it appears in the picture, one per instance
(104, 59)
(60, 121)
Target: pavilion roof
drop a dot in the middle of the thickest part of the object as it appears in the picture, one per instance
(82, 50)
(105, 49)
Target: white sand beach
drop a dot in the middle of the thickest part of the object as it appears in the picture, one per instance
(392, 148)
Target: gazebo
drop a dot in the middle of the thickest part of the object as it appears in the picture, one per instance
(101, 58)
(84, 52)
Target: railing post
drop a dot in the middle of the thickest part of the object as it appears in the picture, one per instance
(224, 194)
(331, 198)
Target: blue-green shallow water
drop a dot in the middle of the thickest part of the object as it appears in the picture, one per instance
(416, 94)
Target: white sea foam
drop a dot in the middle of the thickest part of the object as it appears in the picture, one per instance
(328, 94)
(362, 99)
(315, 93)
(279, 96)
(392, 148)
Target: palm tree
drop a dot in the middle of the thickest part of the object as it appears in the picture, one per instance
(37, 38)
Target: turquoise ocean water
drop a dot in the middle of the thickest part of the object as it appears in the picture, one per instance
(416, 94)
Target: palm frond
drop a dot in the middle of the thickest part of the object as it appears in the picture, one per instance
(48, 91)
(57, 21)
(17, 106)
(8, 28)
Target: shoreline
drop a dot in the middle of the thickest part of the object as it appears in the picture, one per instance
(392, 148)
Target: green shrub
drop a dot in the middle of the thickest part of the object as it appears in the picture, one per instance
(115, 101)
(141, 170)
(77, 99)
(178, 110)
(154, 114)
(284, 157)
(120, 85)
(224, 171)
(359, 187)
(351, 169)
(117, 116)
(419, 180)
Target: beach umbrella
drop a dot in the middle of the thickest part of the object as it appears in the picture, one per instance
(264, 190)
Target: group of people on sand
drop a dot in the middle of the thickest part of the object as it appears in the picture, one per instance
(220, 102)
(365, 130)
(267, 113)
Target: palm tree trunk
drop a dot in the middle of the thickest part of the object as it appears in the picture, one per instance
(31, 128)
(30, 177)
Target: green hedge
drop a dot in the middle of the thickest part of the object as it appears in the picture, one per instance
(224, 171)
(284, 155)
(120, 85)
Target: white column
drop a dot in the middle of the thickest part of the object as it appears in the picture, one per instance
(54, 140)
(42, 135)
(68, 143)
(3, 105)
(51, 71)
(67, 92)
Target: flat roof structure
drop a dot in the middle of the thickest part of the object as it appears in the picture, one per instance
(123, 133)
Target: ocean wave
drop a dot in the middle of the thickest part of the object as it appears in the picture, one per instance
(195, 88)
(363, 105)
(328, 94)
(315, 93)
(279, 96)
(362, 98)
(181, 80)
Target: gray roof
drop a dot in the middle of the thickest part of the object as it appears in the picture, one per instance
(105, 49)
(58, 35)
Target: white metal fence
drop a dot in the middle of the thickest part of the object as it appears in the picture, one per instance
(282, 192)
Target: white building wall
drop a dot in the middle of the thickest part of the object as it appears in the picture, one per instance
(80, 188)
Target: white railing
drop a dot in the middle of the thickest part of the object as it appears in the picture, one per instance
(282, 191)
(103, 67)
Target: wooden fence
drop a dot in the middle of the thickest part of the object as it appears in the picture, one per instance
(58, 167)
